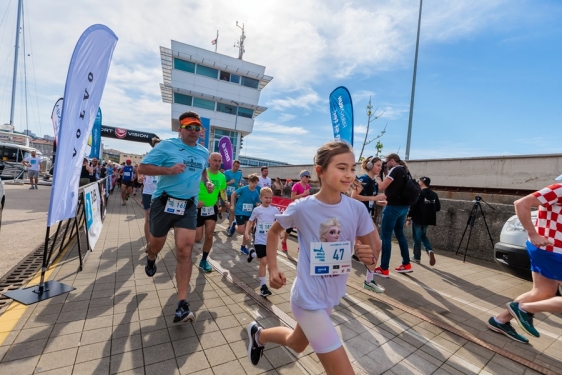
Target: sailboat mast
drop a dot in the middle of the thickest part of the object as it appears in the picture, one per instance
(14, 79)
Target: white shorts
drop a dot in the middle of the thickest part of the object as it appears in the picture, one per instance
(318, 328)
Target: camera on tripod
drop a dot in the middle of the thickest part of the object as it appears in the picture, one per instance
(477, 207)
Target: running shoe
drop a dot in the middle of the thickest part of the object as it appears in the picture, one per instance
(244, 250)
(220, 216)
(254, 351)
(412, 259)
(284, 246)
(251, 255)
(183, 314)
(32, 187)
(431, 257)
(36, 187)
(205, 266)
(231, 229)
(404, 268)
(506, 329)
(524, 319)
(382, 273)
(373, 287)
(150, 267)
(264, 291)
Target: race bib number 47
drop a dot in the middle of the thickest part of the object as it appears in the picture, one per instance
(330, 258)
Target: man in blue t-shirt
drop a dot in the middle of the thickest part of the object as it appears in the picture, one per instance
(233, 177)
(180, 163)
(127, 177)
(244, 200)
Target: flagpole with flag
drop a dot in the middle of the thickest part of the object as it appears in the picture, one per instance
(215, 42)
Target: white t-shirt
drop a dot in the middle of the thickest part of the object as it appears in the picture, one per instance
(149, 184)
(264, 182)
(34, 161)
(306, 214)
(264, 218)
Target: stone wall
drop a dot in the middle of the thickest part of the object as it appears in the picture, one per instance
(451, 223)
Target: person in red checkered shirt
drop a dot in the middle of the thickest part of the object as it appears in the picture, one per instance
(544, 246)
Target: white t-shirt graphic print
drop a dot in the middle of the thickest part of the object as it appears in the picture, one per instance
(307, 215)
(264, 217)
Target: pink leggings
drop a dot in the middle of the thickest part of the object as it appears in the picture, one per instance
(318, 328)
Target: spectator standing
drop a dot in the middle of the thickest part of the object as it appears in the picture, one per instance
(85, 173)
(422, 214)
(33, 163)
(394, 215)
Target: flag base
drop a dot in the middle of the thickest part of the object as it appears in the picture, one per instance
(32, 294)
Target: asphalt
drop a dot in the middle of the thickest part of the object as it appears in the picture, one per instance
(118, 320)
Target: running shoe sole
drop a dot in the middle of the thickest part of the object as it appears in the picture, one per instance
(431, 258)
(251, 342)
(373, 288)
(207, 270)
(517, 318)
(188, 318)
(381, 275)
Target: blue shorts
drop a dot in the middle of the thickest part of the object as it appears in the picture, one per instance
(546, 263)
(241, 219)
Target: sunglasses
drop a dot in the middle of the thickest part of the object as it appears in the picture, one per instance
(307, 176)
(192, 128)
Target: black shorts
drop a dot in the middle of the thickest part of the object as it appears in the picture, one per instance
(202, 219)
(161, 222)
(289, 230)
(260, 251)
(127, 183)
(241, 219)
(146, 201)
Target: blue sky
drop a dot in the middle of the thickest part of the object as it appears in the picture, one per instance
(488, 82)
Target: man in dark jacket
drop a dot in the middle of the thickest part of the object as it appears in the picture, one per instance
(423, 213)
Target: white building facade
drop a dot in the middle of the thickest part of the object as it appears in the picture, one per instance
(223, 89)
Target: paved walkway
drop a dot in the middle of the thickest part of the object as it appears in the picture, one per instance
(120, 321)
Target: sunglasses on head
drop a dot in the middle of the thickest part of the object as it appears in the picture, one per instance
(192, 128)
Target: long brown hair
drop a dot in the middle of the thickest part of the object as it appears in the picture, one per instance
(396, 158)
(327, 151)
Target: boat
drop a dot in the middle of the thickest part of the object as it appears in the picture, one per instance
(14, 146)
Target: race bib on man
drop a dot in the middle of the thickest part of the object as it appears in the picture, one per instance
(247, 207)
(230, 189)
(126, 174)
(264, 227)
(175, 206)
(208, 211)
(330, 258)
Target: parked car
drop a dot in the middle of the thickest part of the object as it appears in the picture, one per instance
(511, 252)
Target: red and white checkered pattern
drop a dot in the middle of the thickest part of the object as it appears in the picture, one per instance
(549, 221)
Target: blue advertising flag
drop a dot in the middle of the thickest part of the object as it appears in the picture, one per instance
(341, 113)
(95, 152)
(87, 74)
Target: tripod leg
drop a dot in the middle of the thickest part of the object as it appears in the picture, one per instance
(487, 228)
(473, 219)
(470, 216)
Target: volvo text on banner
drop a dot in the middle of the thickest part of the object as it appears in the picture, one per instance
(85, 82)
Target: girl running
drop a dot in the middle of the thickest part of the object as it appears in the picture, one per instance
(330, 226)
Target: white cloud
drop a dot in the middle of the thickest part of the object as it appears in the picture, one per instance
(305, 102)
(269, 127)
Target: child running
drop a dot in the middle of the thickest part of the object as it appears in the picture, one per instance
(263, 217)
(330, 226)
(244, 200)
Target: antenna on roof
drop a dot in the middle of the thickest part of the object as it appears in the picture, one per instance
(240, 43)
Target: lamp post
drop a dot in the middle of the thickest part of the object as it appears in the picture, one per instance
(235, 129)
(413, 87)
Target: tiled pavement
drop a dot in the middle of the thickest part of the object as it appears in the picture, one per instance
(120, 321)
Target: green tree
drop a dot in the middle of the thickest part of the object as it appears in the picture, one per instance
(372, 116)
